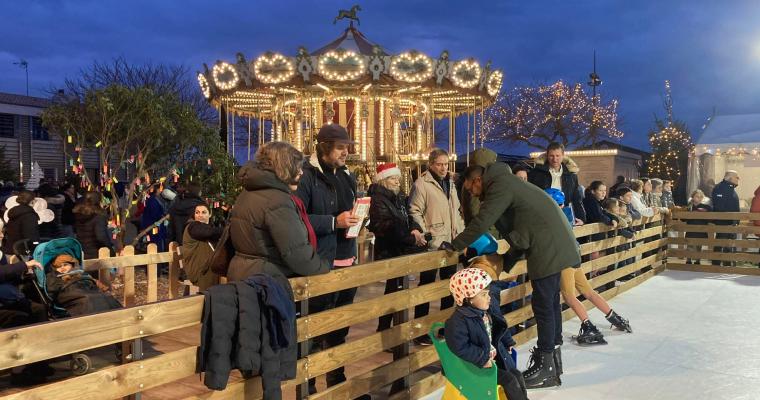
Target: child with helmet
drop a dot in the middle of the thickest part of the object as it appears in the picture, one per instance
(477, 332)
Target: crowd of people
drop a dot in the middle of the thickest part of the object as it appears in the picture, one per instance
(292, 219)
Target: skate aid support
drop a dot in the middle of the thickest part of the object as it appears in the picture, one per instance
(463, 379)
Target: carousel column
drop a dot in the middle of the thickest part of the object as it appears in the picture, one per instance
(298, 120)
(363, 114)
(342, 117)
(381, 128)
(452, 141)
(371, 130)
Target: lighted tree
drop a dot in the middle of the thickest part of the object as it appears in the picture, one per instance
(671, 143)
(539, 115)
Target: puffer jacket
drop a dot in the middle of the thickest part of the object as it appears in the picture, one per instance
(541, 177)
(755, 208)
(320, 198)
(434, 211)
(391, 224)
(725, 199)
(266, 231)
(197, 250)
(236, 335)
(92, 232)
(21, 224)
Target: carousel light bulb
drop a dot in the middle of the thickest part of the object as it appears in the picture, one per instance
(395, 136)
(273, 68)
(225, 76)
(382, 127)
(403, 64)
(364, 140)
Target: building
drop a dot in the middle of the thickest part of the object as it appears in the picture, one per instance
(605, 161)
(26, 141)
(728, 142)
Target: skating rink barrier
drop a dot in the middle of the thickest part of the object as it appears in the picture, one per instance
(49, 340)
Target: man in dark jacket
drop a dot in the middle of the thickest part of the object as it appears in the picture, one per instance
(554, 170)
(725, 199)
(533, 224)
(328, 192)
(182, 209)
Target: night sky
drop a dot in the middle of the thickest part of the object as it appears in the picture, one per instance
(709, 50)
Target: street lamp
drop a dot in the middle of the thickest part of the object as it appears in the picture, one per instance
(594, 78)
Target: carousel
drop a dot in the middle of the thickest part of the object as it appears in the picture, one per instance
(389, 103)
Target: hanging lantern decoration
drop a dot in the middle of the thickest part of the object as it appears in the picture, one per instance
(273, 68)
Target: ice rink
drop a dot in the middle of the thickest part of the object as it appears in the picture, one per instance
(696, 336)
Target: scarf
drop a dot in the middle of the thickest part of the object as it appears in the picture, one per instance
(305, 218)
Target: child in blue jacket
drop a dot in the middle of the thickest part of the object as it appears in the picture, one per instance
(478, 333)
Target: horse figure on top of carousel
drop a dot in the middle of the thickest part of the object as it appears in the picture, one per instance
(348, 14)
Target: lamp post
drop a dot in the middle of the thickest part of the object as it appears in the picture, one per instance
(594, 79)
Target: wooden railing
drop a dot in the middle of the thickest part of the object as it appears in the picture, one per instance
(710, 247)
(48, 340)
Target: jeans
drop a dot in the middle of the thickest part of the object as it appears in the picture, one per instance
(548, 312)
(391, 286)
(334, 338)
(426, 277)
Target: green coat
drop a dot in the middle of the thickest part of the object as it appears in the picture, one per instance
(471, 205)
(527, 218)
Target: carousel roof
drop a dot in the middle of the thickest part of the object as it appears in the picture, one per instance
(351, 66)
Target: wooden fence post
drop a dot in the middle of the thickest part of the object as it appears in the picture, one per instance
(129, 279)
(174, 270)
(152, 276)
(104, 273)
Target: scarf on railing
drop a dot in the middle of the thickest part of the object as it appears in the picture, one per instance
(305, 218)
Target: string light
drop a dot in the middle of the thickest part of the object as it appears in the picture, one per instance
(274, 68)
(494, 83)
(341, 65)
(466, 73)
(411, 66)
(205, 88)
(225, 76)
(382, 127)
(364, 140)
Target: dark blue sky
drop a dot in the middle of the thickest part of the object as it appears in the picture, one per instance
(709, 50)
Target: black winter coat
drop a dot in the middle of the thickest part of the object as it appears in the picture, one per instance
(92, 232)
(700, 208)
(541, 177)
(179, 212)
(235, 335)
(320, 198)
(468, 339)
(595, 213)
(22, 224)
(725, 199)
(391, 224)
(266, 231)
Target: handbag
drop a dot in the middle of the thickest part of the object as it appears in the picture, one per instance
(219, 262)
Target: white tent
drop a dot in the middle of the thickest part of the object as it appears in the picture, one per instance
(728, 142)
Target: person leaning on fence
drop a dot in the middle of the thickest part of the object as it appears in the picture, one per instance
(199, 239)
(533, 224)
(626, 197)
(755, 207)
(696, 204)
(725, 199)
(182, 210)
(395, 231)
(554, 170)
(328, 192)
(478, 333)
(667, 194)
(434, 205)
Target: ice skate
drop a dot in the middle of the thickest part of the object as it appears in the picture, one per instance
(541, 371)
(588, 335)
(619, 322)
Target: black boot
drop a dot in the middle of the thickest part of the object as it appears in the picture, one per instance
(541, 370)
(619, 322)
(589, 335)
(558, 359)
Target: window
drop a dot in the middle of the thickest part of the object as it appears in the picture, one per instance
(38, 131)
(6, 125)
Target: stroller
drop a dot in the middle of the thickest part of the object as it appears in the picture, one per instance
(69, 293)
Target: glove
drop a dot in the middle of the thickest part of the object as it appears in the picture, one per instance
(469, 254)
(446, 246)
(510, 258)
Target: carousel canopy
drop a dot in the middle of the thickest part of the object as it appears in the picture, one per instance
(351, 66)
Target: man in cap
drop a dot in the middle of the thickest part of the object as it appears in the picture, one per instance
(328, 192)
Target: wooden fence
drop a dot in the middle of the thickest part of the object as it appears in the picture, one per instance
(700, 244)
(53, 339)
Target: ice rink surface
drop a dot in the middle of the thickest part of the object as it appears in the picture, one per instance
(696, 336)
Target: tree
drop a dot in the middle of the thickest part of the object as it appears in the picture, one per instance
(539, 115)
(7, 173)
(671, 143)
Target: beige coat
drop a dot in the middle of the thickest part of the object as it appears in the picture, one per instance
(435, 213)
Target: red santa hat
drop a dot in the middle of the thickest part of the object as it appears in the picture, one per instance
(386, 171)
(467, 283)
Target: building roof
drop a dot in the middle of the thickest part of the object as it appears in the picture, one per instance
(21, 100)
(607, 144)
(741, 128)
(353, 40)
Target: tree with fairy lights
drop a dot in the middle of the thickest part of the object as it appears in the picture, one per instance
(671, 143)
(539, 115)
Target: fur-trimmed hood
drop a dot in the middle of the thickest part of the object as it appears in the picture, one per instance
(568, 163)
